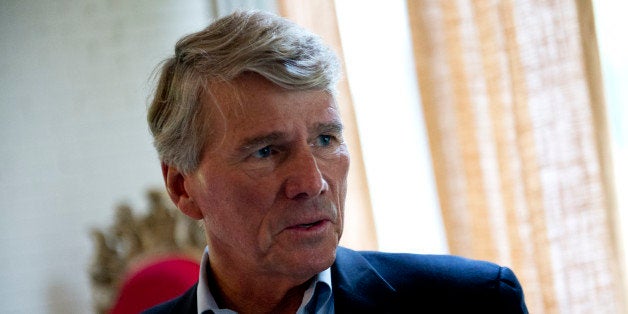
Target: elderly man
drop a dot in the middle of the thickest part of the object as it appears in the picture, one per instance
(248, 131)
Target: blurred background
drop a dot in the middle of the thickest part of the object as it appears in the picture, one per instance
(75, 83)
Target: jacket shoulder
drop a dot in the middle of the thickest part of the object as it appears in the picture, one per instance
(445, 281)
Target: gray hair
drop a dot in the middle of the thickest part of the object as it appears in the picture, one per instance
(244, 41)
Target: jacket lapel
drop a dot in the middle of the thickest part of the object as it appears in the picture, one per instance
(358, 287)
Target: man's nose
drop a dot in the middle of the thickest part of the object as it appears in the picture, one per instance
(304, 178)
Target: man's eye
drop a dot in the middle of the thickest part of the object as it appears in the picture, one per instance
(264, 152)
(324, 140)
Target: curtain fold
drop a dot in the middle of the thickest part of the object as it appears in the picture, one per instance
(512, 100)
(359, 228)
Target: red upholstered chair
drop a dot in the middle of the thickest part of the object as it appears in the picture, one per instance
(144, 259)
(154, 282)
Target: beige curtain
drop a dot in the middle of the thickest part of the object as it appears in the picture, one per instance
(319, 16)
(514, 110)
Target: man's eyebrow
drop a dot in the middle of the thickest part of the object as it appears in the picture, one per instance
(261, 140)
(335, 127)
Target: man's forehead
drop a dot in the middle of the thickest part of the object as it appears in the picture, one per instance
(251, 109)
(254, 97)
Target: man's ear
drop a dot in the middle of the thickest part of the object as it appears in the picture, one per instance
(177, 190)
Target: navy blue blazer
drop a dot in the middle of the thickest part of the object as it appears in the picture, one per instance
(377, 282)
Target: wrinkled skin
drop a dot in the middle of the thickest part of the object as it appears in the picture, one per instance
(270, 190)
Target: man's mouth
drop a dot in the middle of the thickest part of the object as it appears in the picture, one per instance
(307, 225)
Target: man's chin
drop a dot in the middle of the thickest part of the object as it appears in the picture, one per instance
(308, 262)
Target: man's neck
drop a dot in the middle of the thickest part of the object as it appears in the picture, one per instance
(259, 296)
(255, 293)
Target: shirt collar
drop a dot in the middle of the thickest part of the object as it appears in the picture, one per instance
(317, 295)
(205, 300)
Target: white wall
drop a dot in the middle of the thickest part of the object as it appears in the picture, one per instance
(73, 90)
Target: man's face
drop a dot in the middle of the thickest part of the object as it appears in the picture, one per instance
(271, 183)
